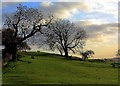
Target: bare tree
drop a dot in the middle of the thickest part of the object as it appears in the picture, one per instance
(118, 52)
(25, 23)
(64, 36)
(86, 54)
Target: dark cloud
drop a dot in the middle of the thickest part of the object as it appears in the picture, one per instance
(95, 31)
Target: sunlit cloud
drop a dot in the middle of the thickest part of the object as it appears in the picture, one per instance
(102, 38)
(46, 4)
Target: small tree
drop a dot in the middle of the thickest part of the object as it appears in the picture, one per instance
(86, 54)
(23, 24)
(64, 36)
(118, 52)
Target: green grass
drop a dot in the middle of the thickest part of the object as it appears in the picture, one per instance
(53, 69)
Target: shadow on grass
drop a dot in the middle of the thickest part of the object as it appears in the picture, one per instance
(24, 61)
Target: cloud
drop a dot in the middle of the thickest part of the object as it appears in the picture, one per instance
(46, 4)
(90, 22)
(105, 7)
(102, 33)
(59, 9)
(102, 38)
(102, 11)
(98, 11)
(99, 32)
(63, 9)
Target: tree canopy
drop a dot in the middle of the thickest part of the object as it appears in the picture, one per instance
(22, 24)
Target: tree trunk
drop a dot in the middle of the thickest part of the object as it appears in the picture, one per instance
(60, 50)
(11, 49)
(14, 52)
(66, 52)
(61, 53)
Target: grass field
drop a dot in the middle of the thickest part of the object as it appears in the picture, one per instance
(53, 69)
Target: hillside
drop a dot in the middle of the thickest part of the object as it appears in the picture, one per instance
(48, 68)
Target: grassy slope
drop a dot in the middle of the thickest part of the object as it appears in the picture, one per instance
(46, 68)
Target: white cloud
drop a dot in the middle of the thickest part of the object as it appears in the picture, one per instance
(107, 10)
(105, 7)
(46, 4)
(95, 21)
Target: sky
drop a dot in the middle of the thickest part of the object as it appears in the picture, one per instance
(98, 17)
